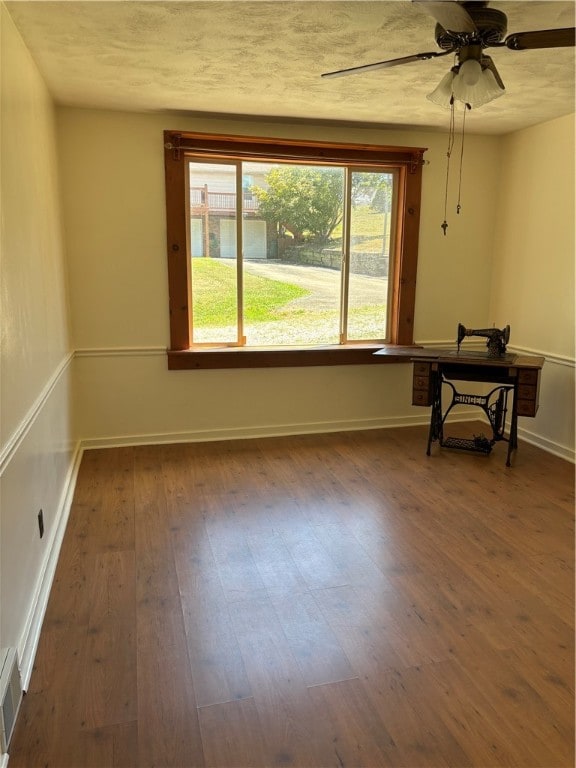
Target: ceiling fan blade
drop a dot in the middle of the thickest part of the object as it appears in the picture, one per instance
(388, 63)
(488, 63)
(541, 38)
(452, 16)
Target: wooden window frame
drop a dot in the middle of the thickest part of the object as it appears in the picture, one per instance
(179, 145)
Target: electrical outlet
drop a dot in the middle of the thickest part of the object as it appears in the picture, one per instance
(41, 523)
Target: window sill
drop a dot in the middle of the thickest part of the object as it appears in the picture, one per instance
(234, 357)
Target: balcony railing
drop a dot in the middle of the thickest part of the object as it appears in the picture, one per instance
(202, 200)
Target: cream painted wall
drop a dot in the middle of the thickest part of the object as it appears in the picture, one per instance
(533, 273)
(534, 243)
(221, 404)
(112, 171)
(35, 433)
(34, 329)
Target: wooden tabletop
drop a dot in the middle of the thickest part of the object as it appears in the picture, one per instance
(453, 355)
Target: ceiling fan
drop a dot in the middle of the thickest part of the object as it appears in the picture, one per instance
(466, 29)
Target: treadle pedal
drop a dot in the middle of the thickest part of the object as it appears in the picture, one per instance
(479, 444)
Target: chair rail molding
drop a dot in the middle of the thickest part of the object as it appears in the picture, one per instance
(15, 440)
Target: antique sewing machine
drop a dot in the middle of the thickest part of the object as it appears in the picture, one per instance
(515, 376)
(497, 339)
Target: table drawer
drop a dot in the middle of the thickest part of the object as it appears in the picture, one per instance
(527, 392)
(527, 407)
(421, 397)
(421, 369)
(421, 382)
(528, 376)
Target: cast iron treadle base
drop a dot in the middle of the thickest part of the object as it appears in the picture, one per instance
(479, 444)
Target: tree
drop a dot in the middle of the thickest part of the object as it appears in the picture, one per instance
(305, 201)
(376, 187)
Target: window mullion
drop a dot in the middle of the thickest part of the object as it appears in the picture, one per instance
(239, 255)
(394, 256)
(345, 271)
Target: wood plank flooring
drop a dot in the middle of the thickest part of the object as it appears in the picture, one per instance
(313, 601)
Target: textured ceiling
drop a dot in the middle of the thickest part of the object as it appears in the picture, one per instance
(265, 59)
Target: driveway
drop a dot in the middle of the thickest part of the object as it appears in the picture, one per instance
(323, 284)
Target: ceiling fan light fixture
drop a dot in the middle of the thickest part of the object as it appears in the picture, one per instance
(485, 90)
(442, 94)
(470, 72)
(457, 84)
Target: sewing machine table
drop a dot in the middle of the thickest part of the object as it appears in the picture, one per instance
(514, 374)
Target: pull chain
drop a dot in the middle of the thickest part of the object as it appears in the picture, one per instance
(466, 108)
(444, 224)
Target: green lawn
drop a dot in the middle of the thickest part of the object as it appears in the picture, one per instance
(269, 315)
(214, 290)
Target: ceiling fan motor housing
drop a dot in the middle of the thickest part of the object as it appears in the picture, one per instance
(491, 25)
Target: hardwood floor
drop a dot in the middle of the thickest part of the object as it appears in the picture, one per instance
(325, 600)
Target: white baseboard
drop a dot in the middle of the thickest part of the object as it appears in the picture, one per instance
(30, 636)
(279, 430)
(243, 433)
(563, 451)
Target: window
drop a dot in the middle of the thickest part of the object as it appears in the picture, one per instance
(288, 253)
